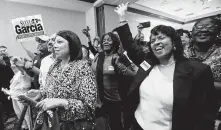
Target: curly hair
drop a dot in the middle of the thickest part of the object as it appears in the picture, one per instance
(114, 38)
(74, 44)
(175, 38)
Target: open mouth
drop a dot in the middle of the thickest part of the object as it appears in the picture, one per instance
(56, 51)
(158, 49)
(203, 34)
(106, 45)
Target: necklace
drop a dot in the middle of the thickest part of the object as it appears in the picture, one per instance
(167, 70)
(163, 66)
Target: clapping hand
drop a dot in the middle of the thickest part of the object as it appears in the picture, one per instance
(19, 62)
(35, 94)
(50, 103)
(28, 64)
(117, 64)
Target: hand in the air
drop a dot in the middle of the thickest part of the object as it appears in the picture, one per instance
(86, 33)
(121, 9)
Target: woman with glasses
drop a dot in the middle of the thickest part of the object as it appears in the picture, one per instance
(205, 46)
(206, 49)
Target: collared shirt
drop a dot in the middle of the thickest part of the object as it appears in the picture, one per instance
(154, 111)
(44, 68)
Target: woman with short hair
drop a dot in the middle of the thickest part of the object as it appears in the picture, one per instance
(70, 83)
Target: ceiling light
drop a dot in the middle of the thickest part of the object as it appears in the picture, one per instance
(177, 10)
(164, 2)
(189, 14)
(205, 1)
(206, 7)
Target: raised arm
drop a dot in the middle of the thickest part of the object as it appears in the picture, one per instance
(134, 51)
(123, 66)
(87, 34)
(29, 53)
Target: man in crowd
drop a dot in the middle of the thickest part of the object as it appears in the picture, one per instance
(32, 67)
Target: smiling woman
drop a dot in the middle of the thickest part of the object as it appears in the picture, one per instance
(179, 93)
(164, 43)
(111, 89)
(205, 47)
(110, 43)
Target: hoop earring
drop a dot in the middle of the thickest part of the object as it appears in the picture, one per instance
(174, 48)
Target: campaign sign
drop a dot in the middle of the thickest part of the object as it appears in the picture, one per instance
(28, 27)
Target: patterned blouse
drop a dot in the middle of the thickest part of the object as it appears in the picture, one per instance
(212, 58)
(76, 84)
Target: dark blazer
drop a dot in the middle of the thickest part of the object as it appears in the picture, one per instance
(195, 103)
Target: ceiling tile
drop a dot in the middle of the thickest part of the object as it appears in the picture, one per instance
(183, 8)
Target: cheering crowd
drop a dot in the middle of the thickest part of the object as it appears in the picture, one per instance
(171, 82)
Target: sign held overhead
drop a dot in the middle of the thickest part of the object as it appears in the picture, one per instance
(28, 27)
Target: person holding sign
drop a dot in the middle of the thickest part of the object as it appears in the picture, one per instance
(33, 67)
(26, 28)
(169, 91)
(44, 68)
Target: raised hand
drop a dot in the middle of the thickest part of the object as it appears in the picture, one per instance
(121, 9)
(86, 33)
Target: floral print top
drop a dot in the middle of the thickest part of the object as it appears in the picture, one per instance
(212, 58)
(76, 83)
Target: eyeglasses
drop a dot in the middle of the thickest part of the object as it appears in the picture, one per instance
(208, 27)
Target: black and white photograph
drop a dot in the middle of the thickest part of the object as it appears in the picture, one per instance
(110, 65)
